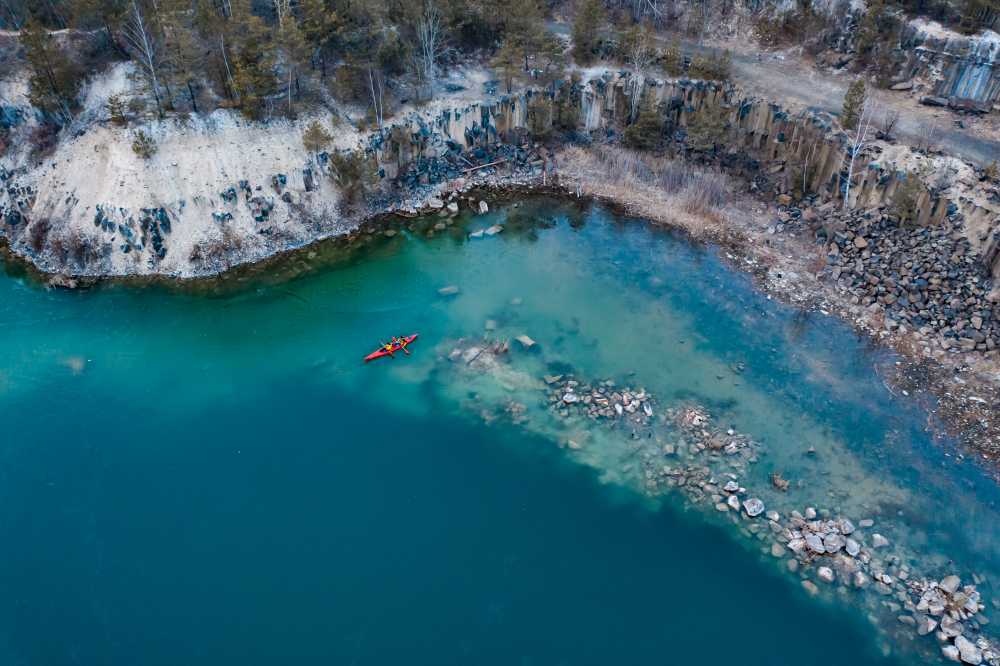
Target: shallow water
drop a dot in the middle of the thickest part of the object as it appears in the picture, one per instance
(212, 476)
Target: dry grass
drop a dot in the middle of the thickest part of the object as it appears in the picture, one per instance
(660, 189)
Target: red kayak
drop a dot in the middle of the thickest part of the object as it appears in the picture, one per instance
(395, 347)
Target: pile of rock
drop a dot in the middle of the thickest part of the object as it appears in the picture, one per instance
(925, 278)
(953, 609)
(603, 400)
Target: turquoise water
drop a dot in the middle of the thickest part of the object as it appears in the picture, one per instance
(210, 476)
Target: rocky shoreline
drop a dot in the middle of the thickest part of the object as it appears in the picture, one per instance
(684, 454)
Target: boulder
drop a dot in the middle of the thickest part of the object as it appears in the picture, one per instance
(950, 583)
(968, 652)
(526, 342)
(754, 507)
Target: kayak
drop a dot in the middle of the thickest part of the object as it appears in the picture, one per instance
(399, 346)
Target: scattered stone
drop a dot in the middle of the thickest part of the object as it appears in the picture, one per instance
(754, 507)
(825, 574)
(879, 541)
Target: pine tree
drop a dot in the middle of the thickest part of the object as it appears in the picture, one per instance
(321, 27)
(854, 101)
(507, 62)
(315, 138)
(589, 19)
(707, 129)
(646, 133)
(54, 79)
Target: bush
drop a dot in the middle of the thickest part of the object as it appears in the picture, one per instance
(646, 133)
(906, 198)
(315, 138)
(117, 110)
(354, 174)
(854, 102)
(716, 67)
(144, 145)
(707, 129)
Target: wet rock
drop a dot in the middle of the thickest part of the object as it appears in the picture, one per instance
(852, 547)
(879, 541)
(731, 486)
(825, 574)
(483, 208)
(925, 625)
(754, 507)
(722, 506)
(453, 208)
(526, 342)
(833, 542)
(494, 230)
(815, 544)
(968, 652)
(733, 502)
(773, 516)
(951, 627)
(450, 290)
(950, 584)
(810, 513)
(950, 652)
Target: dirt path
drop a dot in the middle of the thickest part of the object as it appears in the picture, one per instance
(790, 81)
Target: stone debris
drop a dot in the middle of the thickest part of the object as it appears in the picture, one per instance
(709, 466)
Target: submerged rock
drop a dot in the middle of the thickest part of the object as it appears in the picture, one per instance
(754, 507)
(968, 652)
(450, 290)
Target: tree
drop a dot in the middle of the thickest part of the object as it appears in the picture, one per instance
(507, 62)
(639, 52)
(320, 27)
(117, 110)
(857, 143)
(144, 47)
(431, 45)
(707, 129)
(854, 103)
(315, 138)
(646, 133)
(589, 19)
(906, 198)
(54, 79)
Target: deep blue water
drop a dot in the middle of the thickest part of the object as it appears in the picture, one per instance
(192, 478)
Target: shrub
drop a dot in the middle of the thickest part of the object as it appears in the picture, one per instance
(706, 129)
(144, 145)
(315, 138)
(646, 133)
(716, 67)
(354, 174)
(906, 198)
(117, 110)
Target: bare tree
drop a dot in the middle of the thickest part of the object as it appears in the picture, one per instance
(282, 9)
(859, 139)
(144, 48)
(889, 120)
(431, 44)
(640, 53)
(375, 87)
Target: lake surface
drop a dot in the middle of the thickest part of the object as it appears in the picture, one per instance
(211, 476)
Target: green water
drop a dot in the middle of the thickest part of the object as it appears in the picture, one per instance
(212, 477)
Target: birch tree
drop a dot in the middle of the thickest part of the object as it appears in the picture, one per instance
(431, 44)
(639, 55)
(859, 139)
(143, 47)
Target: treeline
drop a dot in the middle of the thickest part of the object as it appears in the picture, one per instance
(265, 56)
